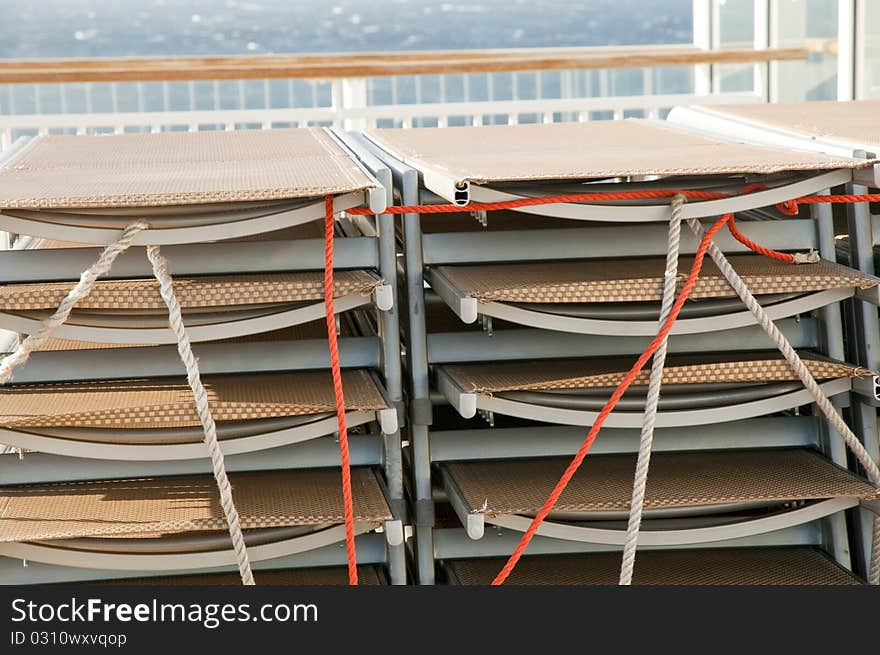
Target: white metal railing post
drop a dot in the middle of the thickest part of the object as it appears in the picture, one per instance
(335, 101)
(762, 42)
(352, 95)
(702, 21)
(860, 46)
(773, 37)
(715, 44)
(846, 49)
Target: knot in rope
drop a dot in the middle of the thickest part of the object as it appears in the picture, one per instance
(810, 257)
(789, 207)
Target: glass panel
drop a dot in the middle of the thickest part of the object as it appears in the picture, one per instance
(810, 23)
(736, 30)
(869, 23)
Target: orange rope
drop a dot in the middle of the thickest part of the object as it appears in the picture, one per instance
(543, 200)
(789, 207)
(329, 289)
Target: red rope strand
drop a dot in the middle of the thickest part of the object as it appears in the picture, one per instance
(335, 368)
(788, 207)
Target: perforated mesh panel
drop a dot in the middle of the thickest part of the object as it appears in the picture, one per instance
(177, 504)
(731, 566)
(604, 482)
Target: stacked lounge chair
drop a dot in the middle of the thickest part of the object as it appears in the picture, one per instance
(847, 129)
(521, 322)
(102, 433)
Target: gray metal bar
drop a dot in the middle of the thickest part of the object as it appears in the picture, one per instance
(473, 520)
(870, 295)
(396, 564)
(559, 322)
(128, 449)
(833, 444)
(601, 242)
(465, 307)
(389, 332)
(464, 402)
(366, 450)
(539, 344)
(862, 238)
(221, 327)
(55, 553)
(417, 348)
(390, 318)
(224, 258)
(708, 415)
(872, 505)
(683, 535)
(551, 440)
(370, 549)
(421, 466)
(214, 358)
(453, 543)
(862, 258)
(406, 182)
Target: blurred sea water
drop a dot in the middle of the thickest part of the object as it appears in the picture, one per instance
(93, 28)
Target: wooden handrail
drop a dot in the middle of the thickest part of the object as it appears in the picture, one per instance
(344, 65)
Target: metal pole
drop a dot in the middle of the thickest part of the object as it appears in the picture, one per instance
(833, 444)
(868, 330)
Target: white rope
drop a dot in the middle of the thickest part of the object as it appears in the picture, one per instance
(175, 321)
(797, 365)
(82, 289)
(649, 418)
(874, 570)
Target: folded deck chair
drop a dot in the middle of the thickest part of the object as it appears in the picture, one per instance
(832, 126)
(214, 307)
(760, 490)
(176, 523)
(313, 330)
(495, 163)
(155, 419)
(698, 388)
(190, 186)
(622, 296)
(722, 566)
(127, 309)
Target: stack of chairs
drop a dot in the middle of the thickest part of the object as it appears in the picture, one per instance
(519, 323)
(846, 129)
(106, 476)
